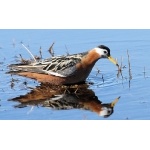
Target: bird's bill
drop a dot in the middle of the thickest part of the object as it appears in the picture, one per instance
(113, 60)
(113, 103)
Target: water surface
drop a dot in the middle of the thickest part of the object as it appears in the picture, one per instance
(134, 102)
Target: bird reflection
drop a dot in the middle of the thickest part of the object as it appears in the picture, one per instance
(64, 97)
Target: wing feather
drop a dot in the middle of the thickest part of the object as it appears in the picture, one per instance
(62, 66)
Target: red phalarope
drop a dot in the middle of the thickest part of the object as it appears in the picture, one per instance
(63, 70)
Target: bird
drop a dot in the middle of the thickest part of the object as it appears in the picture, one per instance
(53, 97)
(71, 101)
(63, 70)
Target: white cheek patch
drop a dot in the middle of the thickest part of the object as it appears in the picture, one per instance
(99, 51)
(103, 112)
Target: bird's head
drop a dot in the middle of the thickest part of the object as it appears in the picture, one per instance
(104, 52)
(108, 109)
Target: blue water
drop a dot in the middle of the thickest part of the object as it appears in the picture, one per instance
(134, 102)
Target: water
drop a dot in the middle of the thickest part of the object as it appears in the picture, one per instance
(134, 102)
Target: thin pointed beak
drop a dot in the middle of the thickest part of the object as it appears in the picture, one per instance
(114, 102)
(113, 60)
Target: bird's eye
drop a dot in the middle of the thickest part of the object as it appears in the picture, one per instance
(105, 52)
(109, 111)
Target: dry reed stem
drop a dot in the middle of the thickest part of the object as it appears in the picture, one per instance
(129, 64)
(40, 51)
(51, 51)
(29, 52)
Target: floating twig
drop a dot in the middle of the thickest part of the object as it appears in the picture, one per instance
(98, 71)
(51, 50)
(129, 65)
(40, 51)
(13, 43)
(130, 74)
(67, 51)
(120, 69)
(29, 52)
(144, 73)
(25, 83)
(103, 78)
(75, 92)
(22, 60)
(12, 83)
(37, 57)
(66, 89)
(30, 110)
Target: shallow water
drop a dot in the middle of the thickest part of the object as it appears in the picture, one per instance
(134, 102)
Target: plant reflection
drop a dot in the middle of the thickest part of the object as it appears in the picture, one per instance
(64, 97)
